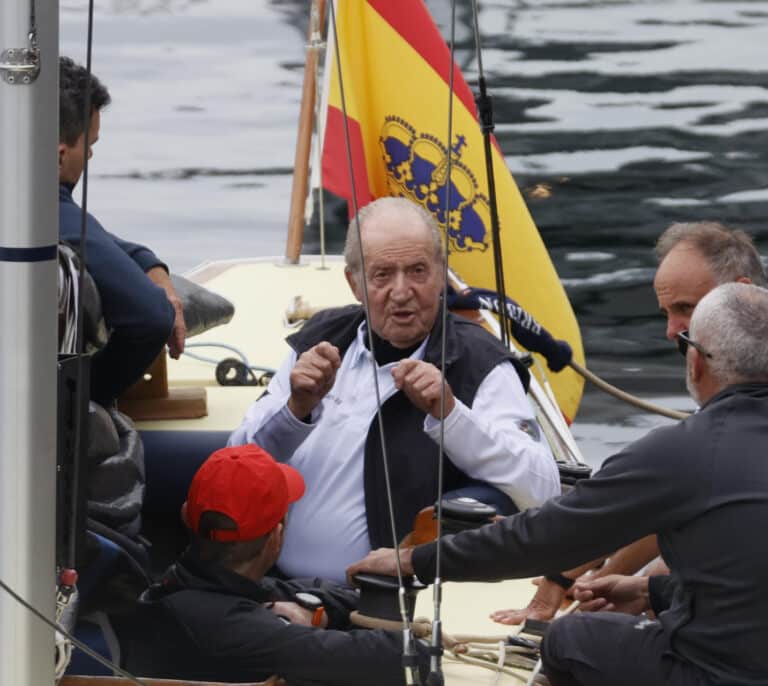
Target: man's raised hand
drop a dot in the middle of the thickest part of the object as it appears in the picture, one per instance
(312, 377)
(422, 383)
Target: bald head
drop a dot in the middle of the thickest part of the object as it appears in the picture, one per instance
(385, 215)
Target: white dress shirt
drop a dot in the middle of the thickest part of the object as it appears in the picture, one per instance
(327, 529)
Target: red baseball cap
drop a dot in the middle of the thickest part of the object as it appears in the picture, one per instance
(246, 484)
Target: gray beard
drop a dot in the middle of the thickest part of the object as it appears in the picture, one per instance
(691, 386)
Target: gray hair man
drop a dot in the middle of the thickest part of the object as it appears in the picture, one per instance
(700, 486)
(694, 257)
(320, 411)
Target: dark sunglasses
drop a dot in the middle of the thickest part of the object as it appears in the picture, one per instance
(683, 341)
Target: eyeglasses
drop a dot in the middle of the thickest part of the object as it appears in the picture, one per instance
(683, 341)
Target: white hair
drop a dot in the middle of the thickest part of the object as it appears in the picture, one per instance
(394, 206)
(731, 324)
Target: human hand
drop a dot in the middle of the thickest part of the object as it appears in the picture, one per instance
(382, 561)
(295, 613)
(312, 377)
(160, 277)
(613, 593)
(543, 606)
(423, 383)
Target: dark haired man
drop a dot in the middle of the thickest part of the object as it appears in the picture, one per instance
(214, 616)
(139, 302)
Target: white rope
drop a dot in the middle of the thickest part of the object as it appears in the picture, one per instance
(66, 615)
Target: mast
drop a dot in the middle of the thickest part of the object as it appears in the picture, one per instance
(304, 138)
(28, 335)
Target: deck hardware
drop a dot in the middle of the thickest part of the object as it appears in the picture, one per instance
(20, 66)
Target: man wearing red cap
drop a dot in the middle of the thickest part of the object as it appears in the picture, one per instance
(215, 616)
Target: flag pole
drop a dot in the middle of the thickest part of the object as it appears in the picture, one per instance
(304, 138)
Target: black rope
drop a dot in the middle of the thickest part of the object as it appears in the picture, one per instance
(32, 25)
(485, 113)
(411, 671)
(75, 641)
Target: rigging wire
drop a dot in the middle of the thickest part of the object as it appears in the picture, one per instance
(435, 676)
(75, 641)
(409, 662)
(80, 342)
(316, 43)
(485, 111)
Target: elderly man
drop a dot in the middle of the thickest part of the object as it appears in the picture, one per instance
(319, 412)
(694, 257)
(701, 486)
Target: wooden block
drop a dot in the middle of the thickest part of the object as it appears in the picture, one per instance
(151, 398)
(154, 384)
(180, 403)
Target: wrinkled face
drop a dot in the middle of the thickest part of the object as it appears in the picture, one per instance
(72, 158)
(684, 277)
(404, 278)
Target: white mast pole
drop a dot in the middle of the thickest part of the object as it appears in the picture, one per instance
(28, 336)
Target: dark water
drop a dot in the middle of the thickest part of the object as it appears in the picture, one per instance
(617, 118)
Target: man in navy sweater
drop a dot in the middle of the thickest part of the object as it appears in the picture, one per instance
(139, 303)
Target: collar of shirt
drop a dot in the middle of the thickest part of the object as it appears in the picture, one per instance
(359, 353)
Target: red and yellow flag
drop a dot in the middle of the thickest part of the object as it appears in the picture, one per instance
(395, 70)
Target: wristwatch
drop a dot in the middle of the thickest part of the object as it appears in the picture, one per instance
(309, 601)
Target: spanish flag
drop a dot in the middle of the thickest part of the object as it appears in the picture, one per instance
(395, 70)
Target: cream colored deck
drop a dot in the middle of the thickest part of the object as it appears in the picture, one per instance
(261, 290)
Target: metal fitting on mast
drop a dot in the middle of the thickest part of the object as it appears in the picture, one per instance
(21, 66)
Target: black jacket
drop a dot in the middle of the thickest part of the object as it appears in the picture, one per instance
(203, 622)
(702, 486)
(471, 354)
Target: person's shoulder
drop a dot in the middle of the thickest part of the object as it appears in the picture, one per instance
(661, 449)
(215, 611)
(473, 333)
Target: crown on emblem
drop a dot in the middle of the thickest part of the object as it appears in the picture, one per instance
(417, 168)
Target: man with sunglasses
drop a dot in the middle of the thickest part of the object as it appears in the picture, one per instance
(694, 258)
(700, 485)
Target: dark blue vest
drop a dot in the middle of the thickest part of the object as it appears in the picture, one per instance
(471, 353)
